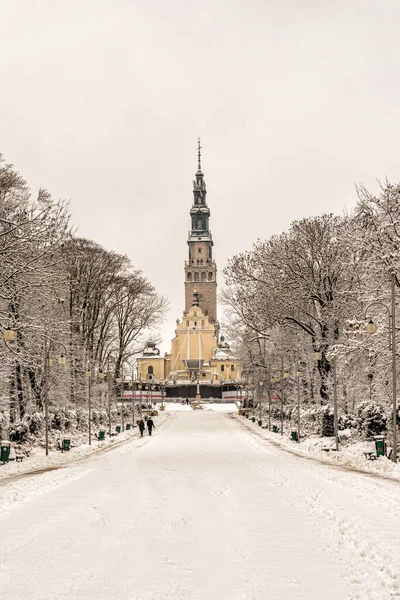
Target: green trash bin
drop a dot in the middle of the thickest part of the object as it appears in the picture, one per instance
(118, 429)
(294, 436)
(5, 451)
(253, 419)
(259, 422)
(275, 428)
(102, 435)
(128, 426)
(380, 445)
(247, 416)
(66, 445)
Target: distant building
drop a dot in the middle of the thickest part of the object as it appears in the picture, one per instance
(199, 364)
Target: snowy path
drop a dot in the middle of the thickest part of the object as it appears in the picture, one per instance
(205, 509)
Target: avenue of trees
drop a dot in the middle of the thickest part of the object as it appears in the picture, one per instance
(302, 298)
(63, 297)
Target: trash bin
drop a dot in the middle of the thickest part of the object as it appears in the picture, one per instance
(5, 451)
(118, 428)
(247, 416)
(380, 445)
(275, 428)
(102, 434)
(128, 426)
(295, 437)
(259, 422)
(66, 444)
(253, 419)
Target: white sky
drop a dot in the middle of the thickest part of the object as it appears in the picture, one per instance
(102, 102)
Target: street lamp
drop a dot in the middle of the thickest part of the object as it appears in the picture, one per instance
(371, 328)
(298, 375)
(47, 364)
(261, 383)
(89, 378)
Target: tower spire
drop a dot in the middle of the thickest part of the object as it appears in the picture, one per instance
(199, 148)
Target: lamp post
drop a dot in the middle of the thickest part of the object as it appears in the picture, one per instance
(89, 378)
(284, 375)
(140, 399)
(47, 363)
(109, 394)
(269, 398)
(298, 375)
(371, 328)
(260, 397)
(332, 360)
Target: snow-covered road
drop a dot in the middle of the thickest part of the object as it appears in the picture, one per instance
(205, 509)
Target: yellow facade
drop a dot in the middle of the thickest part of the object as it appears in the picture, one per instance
(151, 368)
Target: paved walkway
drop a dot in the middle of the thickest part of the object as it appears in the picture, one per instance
(204, 509)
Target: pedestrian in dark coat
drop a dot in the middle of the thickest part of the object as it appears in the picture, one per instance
(141, 427)
(150, 425)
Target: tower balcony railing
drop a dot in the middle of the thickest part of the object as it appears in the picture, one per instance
(207, 262)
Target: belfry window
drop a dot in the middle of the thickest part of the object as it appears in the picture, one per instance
(196, 276)
(189, 276)
(199, 250)
(200, 224)
(210, 276)
(203, 276)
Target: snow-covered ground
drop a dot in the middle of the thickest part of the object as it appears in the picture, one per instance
(207, 508)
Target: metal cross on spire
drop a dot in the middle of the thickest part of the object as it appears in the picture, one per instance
(199, 148)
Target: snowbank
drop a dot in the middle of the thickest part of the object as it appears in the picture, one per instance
(350, 456)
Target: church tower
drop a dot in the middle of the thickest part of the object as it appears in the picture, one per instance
(200, 268)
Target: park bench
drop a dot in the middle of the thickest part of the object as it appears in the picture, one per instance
(370, 455)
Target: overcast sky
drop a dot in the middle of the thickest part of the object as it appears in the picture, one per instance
(102, 102)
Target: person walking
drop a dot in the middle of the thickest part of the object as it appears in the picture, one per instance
(150, 425)
(141, 427)
(187, 401)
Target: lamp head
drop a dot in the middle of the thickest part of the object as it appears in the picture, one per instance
(371, 327)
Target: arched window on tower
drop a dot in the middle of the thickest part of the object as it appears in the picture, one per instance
(189, 276)
(196, 276)
(210, 276)
(150, 372)
(203, 276)
(200, 224)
